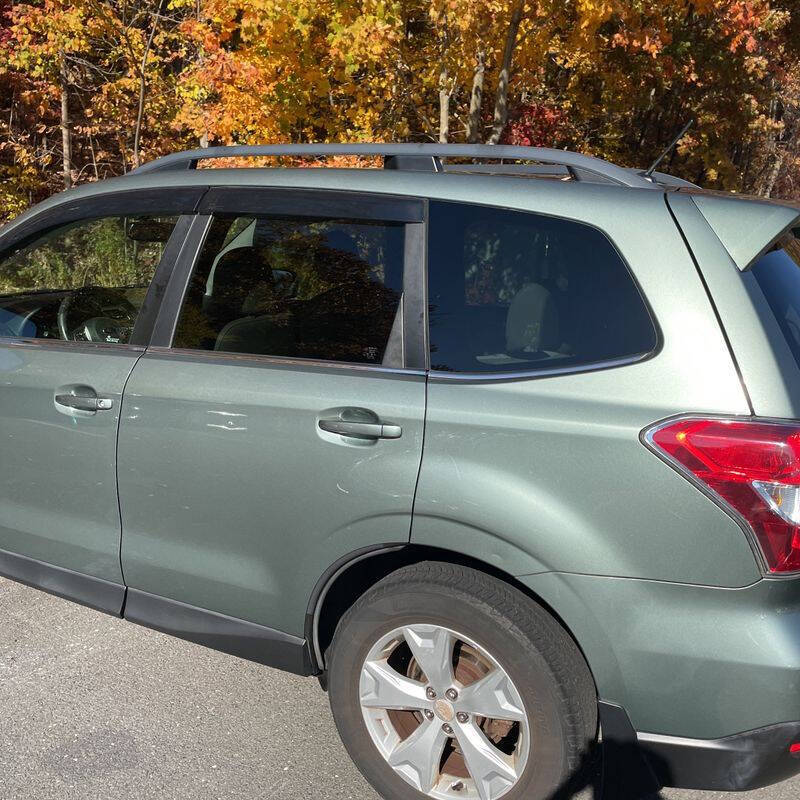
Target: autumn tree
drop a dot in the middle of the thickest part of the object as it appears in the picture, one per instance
(92, 88)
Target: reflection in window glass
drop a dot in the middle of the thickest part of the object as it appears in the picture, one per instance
(324, 289)
(778, 275)
(513, 291)
(85, 281)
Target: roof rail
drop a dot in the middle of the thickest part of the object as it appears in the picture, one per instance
(409, 156)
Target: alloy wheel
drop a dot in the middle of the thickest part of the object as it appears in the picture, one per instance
(444, 713)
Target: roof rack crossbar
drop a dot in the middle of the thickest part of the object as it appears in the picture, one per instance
(543, 155)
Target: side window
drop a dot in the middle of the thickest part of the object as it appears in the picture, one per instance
(298, 288)
(511, 291)
(778, 274)
(85, 281)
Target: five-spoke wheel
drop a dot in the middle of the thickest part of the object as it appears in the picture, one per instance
(444, 713)
(447, 683)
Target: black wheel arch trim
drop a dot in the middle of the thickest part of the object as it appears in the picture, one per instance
(323, 586)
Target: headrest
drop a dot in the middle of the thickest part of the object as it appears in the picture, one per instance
(240, 271)
(532, 321)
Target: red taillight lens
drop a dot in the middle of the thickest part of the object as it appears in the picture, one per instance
(752, 466)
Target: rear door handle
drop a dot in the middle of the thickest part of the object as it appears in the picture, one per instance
(367, 430)
(82, 403)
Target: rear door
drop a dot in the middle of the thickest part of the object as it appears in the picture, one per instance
(74, 307)
(276, 423)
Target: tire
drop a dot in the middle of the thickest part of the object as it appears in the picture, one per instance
(490, 621)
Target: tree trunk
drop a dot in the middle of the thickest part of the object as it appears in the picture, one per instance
(476, 100)
(501, 98)
(66, 126)
(444, 106)
(772, 176)
(137, 136)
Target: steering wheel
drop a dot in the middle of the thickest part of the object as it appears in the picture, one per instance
(88, 304)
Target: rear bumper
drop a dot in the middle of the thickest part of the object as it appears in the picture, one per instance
(638, 764)
(733, 764)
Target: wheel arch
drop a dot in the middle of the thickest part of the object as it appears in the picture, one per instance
(352, 575)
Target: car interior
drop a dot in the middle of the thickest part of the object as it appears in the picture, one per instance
(293, 288)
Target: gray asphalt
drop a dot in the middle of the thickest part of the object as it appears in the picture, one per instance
(93, 707)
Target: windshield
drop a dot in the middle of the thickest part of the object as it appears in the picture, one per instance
(778, 275)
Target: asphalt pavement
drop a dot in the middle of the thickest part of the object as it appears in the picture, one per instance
(94, 707)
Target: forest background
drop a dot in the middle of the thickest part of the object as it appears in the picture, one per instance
(92, 88)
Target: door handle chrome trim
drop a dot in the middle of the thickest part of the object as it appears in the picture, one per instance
(85, 403)
(370, 430)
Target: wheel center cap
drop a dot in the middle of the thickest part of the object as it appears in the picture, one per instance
(444, 710)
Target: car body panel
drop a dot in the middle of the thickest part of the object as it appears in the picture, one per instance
(58, 492)
(695, 661)
(768, 369)
(553, 465)
(233, 500)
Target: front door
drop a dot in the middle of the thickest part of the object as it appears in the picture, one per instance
(70, 298)
(278, 425)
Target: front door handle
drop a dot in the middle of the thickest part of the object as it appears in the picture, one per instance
(366, 430)
(84, 403)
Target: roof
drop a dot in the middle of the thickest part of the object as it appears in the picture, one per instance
(465, 173)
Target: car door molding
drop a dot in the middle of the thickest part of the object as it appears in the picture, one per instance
(238, 637)
(96, 593)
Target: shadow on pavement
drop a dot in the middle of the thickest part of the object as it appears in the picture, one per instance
(613, 771)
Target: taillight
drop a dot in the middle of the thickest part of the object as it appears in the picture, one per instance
(752, 466)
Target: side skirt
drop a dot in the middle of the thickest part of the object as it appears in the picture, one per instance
(220, 632)
(87, 590)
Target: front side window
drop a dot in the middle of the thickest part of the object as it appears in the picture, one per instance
(512, 291)
(778, 275)
(85, 281)
(297, 288)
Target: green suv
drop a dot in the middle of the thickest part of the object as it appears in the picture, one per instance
(500, 443)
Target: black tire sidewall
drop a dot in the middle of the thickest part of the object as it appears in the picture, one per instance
(368, 621)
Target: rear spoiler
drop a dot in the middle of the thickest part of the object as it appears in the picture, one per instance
(747, 226)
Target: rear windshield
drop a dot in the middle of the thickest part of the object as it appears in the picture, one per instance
(778, 275)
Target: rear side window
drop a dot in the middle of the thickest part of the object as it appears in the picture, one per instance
(511, 291)
(778, 275)
(318, 289)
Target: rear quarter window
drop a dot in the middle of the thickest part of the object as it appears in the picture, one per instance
(778, 275)
(513, 291)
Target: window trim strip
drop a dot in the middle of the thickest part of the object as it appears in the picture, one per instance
(170, 307)
(282, 361)
(148, 313)
(152, 202)
(312, 203)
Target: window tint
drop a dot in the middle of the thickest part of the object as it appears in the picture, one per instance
(512, 291)
(298, 288)
(778, 275)
(85, 281)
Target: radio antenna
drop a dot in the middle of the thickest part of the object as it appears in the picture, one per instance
(669, 149)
